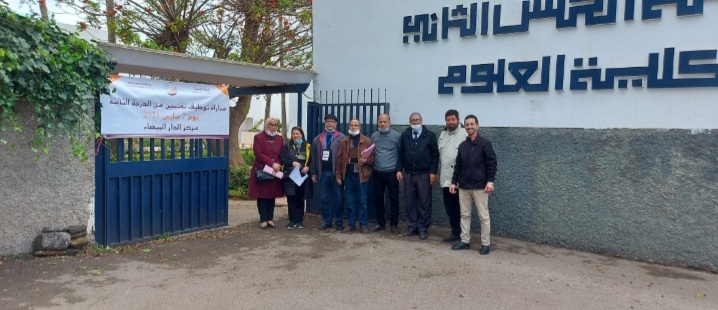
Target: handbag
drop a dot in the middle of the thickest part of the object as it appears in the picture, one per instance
(263, 176)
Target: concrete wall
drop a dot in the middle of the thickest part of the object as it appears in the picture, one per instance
(642, 194)
(57, 190)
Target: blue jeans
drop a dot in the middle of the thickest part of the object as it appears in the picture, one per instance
(356, 199)
(331, 195)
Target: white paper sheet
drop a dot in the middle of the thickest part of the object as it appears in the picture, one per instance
(296, 176)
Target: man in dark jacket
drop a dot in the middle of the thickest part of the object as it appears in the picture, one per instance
(474, 174)
(323, 163)
(416, 166)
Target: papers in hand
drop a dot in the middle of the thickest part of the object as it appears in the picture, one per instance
(296, 176)
(276, 174)
(365, 154)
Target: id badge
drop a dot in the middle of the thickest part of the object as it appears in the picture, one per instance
(325, 155)
(356, 167)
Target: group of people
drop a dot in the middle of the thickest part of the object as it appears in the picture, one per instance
(460, 160)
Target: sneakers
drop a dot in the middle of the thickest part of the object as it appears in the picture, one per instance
(298, 225)
(291, 225)
(325, 226)
(270, 224)
(364, 230)
(263, 225)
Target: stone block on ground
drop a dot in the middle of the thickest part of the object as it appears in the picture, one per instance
(78, 235)
(77, 228)
(50, 253)
(78, 243)
(52, 241)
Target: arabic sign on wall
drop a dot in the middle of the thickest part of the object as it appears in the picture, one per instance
(162, 109)
(521, 63)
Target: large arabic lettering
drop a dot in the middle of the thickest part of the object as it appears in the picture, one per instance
(472, 20)
(697, 68)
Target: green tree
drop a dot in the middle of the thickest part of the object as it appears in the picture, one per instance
(267, 32)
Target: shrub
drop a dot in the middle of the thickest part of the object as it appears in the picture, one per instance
(239, 181)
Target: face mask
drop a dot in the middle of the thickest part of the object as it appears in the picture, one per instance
(415, 127)
(384, 130)
(271, 133)
(353, 132)
(299, 142)
(327, 130)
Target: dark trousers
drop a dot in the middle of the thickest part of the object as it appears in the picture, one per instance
(265, 206)
(417, 198)
(382, 181)
(295, 206)
(451, 204)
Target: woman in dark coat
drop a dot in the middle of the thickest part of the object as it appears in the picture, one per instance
(267, 147)
(296, 154)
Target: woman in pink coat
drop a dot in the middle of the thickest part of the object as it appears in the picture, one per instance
(267, 147)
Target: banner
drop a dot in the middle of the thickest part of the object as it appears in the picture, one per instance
(161, 109)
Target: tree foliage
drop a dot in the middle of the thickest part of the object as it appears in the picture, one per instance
(56, 72)
(267, 32)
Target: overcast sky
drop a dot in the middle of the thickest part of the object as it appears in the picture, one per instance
(62, 14)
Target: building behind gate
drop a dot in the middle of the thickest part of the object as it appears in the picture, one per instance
(602, 113)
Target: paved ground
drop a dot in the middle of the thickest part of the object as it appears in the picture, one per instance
(244, 267)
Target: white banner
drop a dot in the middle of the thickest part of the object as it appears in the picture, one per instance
(161, 109)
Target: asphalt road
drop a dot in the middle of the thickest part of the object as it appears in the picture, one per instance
(244, 267)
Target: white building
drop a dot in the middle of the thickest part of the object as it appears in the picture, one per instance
(602, 113)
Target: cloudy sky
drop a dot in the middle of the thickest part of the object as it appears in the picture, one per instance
(62, 14)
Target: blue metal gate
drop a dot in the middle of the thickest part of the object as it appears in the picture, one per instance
(362, 104)
(148, 187)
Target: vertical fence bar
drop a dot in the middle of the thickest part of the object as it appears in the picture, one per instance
(130, 149)
(142, 149)
(182, 149)
(152, 148)
(120, 149)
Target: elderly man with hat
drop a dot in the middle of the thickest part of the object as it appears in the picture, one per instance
(325, 148)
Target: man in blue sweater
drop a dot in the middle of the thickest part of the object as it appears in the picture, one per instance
(386, 151)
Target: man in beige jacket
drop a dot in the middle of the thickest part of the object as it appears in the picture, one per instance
(449, 141)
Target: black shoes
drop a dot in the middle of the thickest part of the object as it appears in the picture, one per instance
(410, 233)
(395, 230)
(451, 238)
(423, 235)
(325, 226)
(461, 246)
(484, 250)
(378, 228)
(290, 226)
